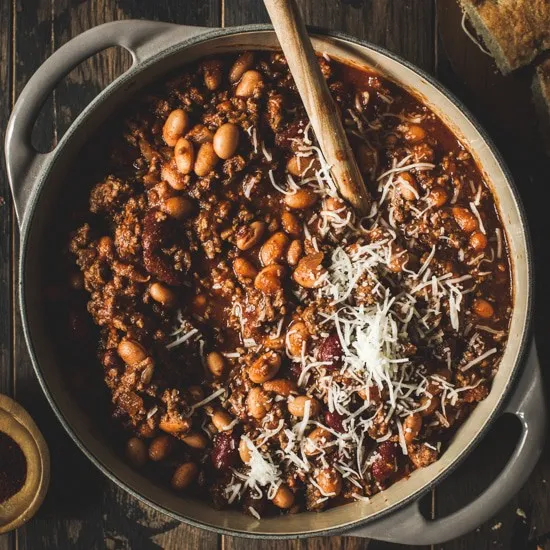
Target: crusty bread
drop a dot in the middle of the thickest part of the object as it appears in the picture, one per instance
(541, 98)
(514, 31)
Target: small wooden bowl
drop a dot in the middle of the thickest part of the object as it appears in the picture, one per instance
(17, 423)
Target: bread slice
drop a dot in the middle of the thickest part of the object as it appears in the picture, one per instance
(514, 31)
(541, 98)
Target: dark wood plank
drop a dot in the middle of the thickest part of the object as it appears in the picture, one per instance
(7, 541)
(83, 509)
(406, 28)
(503, 105)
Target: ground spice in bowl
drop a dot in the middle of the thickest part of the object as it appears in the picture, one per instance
(13, 467)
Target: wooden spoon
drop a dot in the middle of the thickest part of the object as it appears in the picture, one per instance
(323, 113)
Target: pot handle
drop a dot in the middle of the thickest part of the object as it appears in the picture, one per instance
(142, 39)
(409, 526)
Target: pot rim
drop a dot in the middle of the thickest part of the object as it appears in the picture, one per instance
(115, 87)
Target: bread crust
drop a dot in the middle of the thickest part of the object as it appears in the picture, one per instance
(514, 31)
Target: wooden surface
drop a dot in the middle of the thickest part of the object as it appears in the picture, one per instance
(83, 510)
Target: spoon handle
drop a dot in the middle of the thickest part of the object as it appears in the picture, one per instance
(320, 107)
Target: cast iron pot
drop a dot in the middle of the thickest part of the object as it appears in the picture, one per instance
(37, 181)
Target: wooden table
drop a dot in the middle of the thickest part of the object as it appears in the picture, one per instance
(84, 510)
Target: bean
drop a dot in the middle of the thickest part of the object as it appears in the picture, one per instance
(225, 451)
(335, 421)
(160, 448)
(196, 393)
(175, 126)
(433, 405)
(212, 71)
(162, 294)
(195, 440)
(265, 367)
(184, 155)
(250, 85)
(435, 387)
(136, 452)
(184, 475)
(399, 259)
(131, 352)
(330, 351)
(301, 200)
(244, 269)
(330, 481)
(482, 308)
(407, 186)
(291, 224)
(200, 134)
(249, 236)
(170, 174)
(274, 248)
(258, 403)
(316, 441)
(438, 196)
(414, 133)
(309, 271)
(478, 241)
(206, 160)
(284, 497)
(465, 219)
(244, 451)
(411, 426)
(296, 406)
(297, 336)
(174, 424)
(221, 419)
(281, 386)
(295, 252)
(178, 207)
(226, 140)
(269, 279)
(303, 167)
(241, 65)
(337, 207)
(216, 364)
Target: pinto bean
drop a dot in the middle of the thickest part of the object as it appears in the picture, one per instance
(433, 404)
(316, 440)
(478, 241)
(160, 448)
(295, 252)
(221, 419)
(482, 308)
(131, 352)
(244, 269)
(414, 133)
(284, 497)
(291, 224)
(297, 335)
(309, 271)
(274, 248)
(249, 236)
(411, 426)
(438, 196)
(250, 85)
(184, 475)
(242, 64)
(330, 481)
(270, 279)
(303, 167)
(212, 72)
(178, 207)
(216, 364)
(265, 367)
(184, 155)
(175, 126)
(407, 186)
(258, 403)
(136, 451)
(206, 160)
(465, 219)
(174, 424)
(226, 140)
(280, 386)
(399, 259)
(162, 294)
(296, 406)
(301, 200)
(195, 440)
(244, 451)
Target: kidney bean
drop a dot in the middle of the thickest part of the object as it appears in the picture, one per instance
(334, 421)
(225, 450)
(330, 350)
(384, 464)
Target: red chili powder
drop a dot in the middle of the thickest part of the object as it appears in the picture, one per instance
(13, 467)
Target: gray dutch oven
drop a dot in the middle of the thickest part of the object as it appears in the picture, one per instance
(37, 181)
